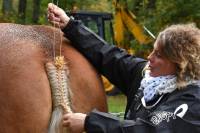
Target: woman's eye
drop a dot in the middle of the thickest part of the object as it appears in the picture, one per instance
(158, 54)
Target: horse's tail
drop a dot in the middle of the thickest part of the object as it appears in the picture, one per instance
(58, 77)
(55, 125)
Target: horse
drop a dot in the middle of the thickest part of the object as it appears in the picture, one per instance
(25, 91)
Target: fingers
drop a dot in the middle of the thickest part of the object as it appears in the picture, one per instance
(66, 116)
(74, 122)
(51, 7)
(52, 17)
(55, 10)
(66, 123)
(57, 16)
(66, 119)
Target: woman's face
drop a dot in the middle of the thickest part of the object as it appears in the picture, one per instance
(160, 65)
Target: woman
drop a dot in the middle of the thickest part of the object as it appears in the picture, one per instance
(163, 94)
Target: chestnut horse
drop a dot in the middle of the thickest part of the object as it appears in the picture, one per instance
(25, 94)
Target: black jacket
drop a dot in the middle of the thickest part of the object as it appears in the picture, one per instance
(177, 112)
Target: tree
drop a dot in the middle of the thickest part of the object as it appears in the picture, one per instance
(7, 7)
(36, 10)
(157, 14)
(22, 11)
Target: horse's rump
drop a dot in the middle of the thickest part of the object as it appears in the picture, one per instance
(25, 95)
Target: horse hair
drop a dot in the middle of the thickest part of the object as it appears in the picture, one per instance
(60, 90)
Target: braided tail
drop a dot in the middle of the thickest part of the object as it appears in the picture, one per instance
(58, 77)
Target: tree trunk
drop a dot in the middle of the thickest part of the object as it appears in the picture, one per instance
(22, 11)
(36, 10)
(151, 4)
(62, 4)
(7, 6)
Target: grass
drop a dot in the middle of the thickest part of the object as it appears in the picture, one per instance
(116, 104)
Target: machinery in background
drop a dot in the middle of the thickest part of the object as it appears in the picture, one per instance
(100, 23)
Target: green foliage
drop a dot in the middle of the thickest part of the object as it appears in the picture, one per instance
(167, 12)
(157, 14)
(141, 50)
(67, 5)
(8, 18)
(162, 13)
(94, 5)
(154, 14)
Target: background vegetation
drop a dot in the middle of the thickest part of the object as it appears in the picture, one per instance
(153, 14)
(116, 104)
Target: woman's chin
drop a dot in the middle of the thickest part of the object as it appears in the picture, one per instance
(152, 74)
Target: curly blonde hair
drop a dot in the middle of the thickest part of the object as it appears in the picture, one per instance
(181, 45)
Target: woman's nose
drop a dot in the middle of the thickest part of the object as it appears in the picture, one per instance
(150, 56)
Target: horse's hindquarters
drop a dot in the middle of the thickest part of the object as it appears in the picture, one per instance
(25, 94)
(24, 91)
(86, 85)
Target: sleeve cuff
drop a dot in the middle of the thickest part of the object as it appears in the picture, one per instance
(86, 123)
(65, 29)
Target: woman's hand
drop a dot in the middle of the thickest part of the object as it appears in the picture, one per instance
(74, 122)
(57, 16)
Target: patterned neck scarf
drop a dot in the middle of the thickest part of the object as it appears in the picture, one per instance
(153, 86)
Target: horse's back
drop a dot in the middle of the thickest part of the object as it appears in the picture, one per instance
(25, 95)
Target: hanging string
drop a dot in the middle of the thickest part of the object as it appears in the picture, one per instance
(60, 33)
(60, 41)
(54, 37)
(58, 74)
